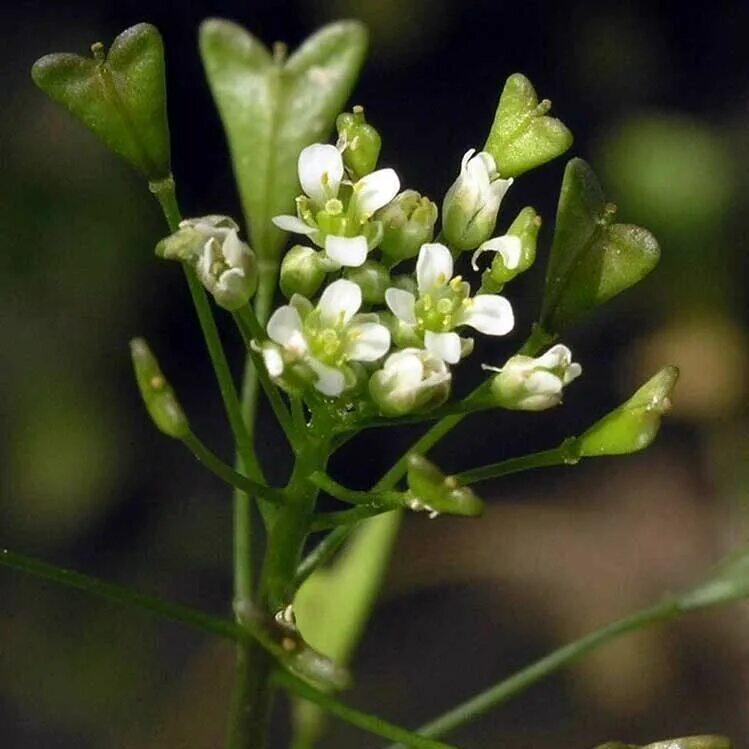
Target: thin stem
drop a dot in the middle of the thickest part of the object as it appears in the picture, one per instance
(298, 416)
(250, 329)
(320, 555)
(558, 659)
(226, 473)
(367, 722)
(346, 518)
(564, 454)
(387, 499)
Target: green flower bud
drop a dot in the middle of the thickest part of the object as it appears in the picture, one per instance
(634, 425)
(360, 142)
(515, 251)
(373, 279)
(302, 271)
(471, 205)
(161, 403)
(408, 222)
(410, 380)
(436, 493)
(119, 96)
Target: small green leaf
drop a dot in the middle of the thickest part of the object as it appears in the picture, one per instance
(272, 109)
(522, 135)
(592, 259)
(120, 96)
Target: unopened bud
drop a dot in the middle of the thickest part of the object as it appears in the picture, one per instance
(408, 222)
(373, 279)
(161, 402)
(302, 271)
(471, 205)
(634, 425)
(360, 142)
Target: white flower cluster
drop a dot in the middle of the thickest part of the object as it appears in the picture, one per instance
(402, 352)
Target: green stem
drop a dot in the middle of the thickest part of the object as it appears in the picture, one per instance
(564, 454)
(369, 723)
(346, 518)
(564, 656)
(389, 500)
(228, 474)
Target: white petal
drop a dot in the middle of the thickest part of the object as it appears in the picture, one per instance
(489, 314)
(467, 156)
(434, 267)
(368, 341)
(339, 302)
(234, 249)
(284, 325)
(330, 381)
(348, 251)
(273, 360)
(556, 356)
(376, 190)
(509, 247)
(293, 224)
(402, 304)
(320, 172)
(572, 373)
(446, 346)
(406, 368)
(543, 383)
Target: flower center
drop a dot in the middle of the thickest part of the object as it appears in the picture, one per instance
(439, 310)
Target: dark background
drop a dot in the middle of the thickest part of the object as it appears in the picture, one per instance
(657, 97)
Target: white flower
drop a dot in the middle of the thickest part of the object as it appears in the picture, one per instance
(337, 219)
(470, 207)
(224, 264)
(326, 338)
(444, 303)
(410, 380)
(528, 384)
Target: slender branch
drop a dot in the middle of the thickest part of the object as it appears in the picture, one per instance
(250, 329)
(346, 518)
(388, 500)
(558, 659)
(369, 723)
(563, 454)
(320, 555)
(226, 473)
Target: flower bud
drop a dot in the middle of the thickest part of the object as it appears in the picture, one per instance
(410, 380)
(528, 384)
(470, 207)
(161, 403)
(408, 222)
(687, 742)
(373, 279)
(515, 251)
(224, 264)
(359, 141)
(634, 425)
(436, 493)
(302, 271)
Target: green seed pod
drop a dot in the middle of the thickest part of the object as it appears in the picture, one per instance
(434, 492)
(373, 279)
(362, 142)
(634, 425)
(302, 271)
(407, 222)
(161, 403)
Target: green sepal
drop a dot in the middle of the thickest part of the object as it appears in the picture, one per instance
(120, 96)
(362, 142)
(592, 259)
(373, 279)
(633, 425)
(302, 271)
(434, 491)
(161, 403)
(272, 109)
(523, 136)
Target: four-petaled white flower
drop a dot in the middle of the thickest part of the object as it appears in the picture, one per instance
(528, 384)
(335, 213)
(444, 303)
(410, 379)
(470, 207)
(327, 337)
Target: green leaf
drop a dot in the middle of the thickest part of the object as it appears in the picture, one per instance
(120, 96)
(592, 259)
(522, 135)
(272, 109)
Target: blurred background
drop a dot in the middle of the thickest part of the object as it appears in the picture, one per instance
(657, 95)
